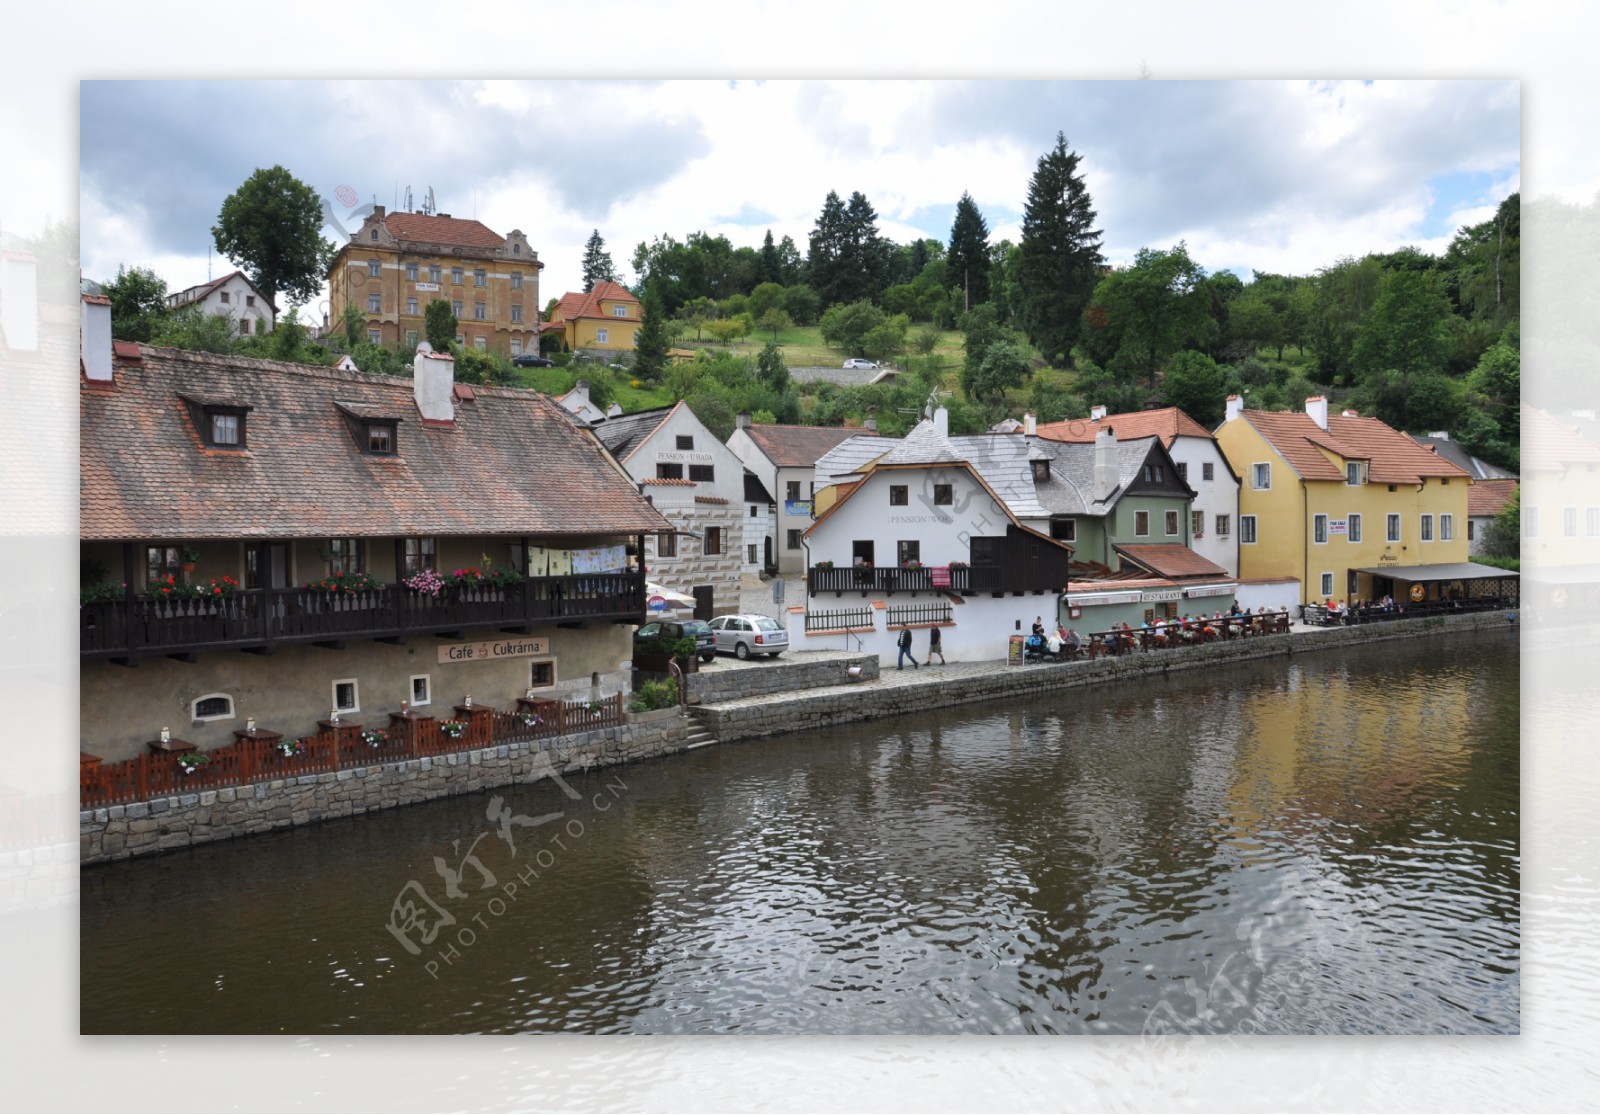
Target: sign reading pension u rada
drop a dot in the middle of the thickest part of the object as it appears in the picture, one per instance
(491, 650)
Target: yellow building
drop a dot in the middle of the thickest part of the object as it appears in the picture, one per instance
(399, 262)
(1560, 512)
(605, 319)
(1330, 500)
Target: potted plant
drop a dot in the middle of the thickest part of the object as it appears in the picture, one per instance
(375, 737)
(822, 565)
(530, 719)
(452, 729)
(192, 763)
(290, 748)
(188, 558)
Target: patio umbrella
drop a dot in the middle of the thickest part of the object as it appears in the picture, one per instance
(658, 598)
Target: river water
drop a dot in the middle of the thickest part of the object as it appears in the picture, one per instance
(1327, 844)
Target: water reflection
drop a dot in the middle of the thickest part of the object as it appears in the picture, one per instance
(1327, 846)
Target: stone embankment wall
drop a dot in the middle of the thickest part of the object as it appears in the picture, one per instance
(782, 676)
(122, 831)
(842, 704)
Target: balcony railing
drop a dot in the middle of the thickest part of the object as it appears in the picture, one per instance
(262, 617)
(889, 579)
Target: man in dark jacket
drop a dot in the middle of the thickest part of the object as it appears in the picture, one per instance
(905, 650)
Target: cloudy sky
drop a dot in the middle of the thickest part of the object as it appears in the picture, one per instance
(1268, 175)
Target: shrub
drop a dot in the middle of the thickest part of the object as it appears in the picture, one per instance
(654, 695)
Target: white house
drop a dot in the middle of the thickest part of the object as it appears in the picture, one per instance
(784, 459)
(698, 484)
(1214, 514)
(232, 296)
(578, 404)
(760, 526)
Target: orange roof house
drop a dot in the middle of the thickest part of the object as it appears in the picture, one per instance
(606, 318)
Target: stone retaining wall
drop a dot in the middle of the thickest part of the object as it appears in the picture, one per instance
(122, 831)
(843, 704)
(779, 676)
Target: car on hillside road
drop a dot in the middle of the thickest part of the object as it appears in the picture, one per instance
(532, 360)
(744, 635)
(857, 362)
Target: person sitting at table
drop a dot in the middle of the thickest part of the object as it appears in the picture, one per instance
(1071, 640)
(1038, 626)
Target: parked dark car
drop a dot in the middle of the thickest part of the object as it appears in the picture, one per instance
(532, 360)
(705, 642)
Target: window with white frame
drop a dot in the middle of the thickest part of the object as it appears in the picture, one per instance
(435, 272)
(480, 311)
(1391, 527)
(1352, 531)
(421, 690)
(374, 269)
(516, 313)
(1569, 522)
(456, 307)
(455, 276)
(346, 696)
(516, 346)
(1222, 526)
(1261, 474)
(1327, 585)
(1353, 473)
(420, 554)
(516, 280)
(374, 303)
(411, 338)
(213, 706)
(619, 311)
(481, 344)
(542, 674)
(1170, 521)
(602, 336)
(1141, 523)
(375, 335)
(1319, 528)
(1447, 528)
(344, 555)
(411, 272)
(1197, 524)
(480, 277)
(1425, 529)
(1247, 530)
(411, 306)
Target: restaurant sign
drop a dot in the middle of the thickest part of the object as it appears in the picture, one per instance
(493, 650)
(1159, 595)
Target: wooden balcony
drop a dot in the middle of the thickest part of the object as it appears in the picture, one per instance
(263, 618)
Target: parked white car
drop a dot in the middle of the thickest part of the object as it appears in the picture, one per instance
(742, 636)
(857, 362)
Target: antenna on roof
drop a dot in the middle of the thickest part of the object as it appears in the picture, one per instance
(408, 197)
(429, 206)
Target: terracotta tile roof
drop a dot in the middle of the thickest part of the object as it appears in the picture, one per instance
(666, 482)
(1489, 497)
(1166, 423)
(1548, 446)
(1118, 584)
(800, 446)
(509, 464)
(1168, 559)
(719, 500)
(1394, 458)
(441, 230)
(575, 305)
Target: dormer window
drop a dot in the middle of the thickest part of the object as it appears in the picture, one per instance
(380, 438)
(1041, 471)
(220, 425)
(1353, 474)
(376, 431)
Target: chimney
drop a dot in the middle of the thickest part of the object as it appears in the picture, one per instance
(19, 301)
(579, 395)
(1317, 410)
(378, 211)
(1348, 413)
(1030, 425)
(433, 383)
(941, 421)
(1096, 413)
(1235, 407)
(742, 421)
(1105, 463)
(95, 337)
(613, 410)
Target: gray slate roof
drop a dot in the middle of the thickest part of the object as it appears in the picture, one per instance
(623, 433)
(850, 458)
(1453, 452)
(1071, 488)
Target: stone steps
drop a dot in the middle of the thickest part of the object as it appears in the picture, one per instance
(697, 736)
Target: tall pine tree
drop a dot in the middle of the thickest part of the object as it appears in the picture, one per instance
(827, 252)
(867, 255)
(1059, 258)
(650, 350)
(969, 253)
(770, 270)
(597, 263)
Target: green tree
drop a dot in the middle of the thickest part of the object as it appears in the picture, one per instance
(771, 370)
(138, 303)
(650, 349)
(771, 270)
(1155, 307)
(1060, 256)
(192, 328)
(1051, 402)
(1503, 539)
(439, 324)
(846, 327)
(981, 328)
(925, 340)
(968, 257)
(801, 303)
(1003, 366)
(1196, 385)
(776, 321)
(766, 296)
(1405, 332)
(887, 338)
(351, 322)
(271, 228)
(597, 265)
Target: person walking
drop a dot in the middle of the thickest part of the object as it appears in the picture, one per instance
(935, 647)
(905, 650)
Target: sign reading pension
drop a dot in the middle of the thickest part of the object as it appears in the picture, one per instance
(491, 650)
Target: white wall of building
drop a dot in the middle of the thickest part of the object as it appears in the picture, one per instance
(241, 303)
(980, 629)
(1217, 496)
(943, 531)
(1276, 596)
(760, 528)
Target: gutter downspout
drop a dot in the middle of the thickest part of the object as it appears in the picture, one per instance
(1305, 546)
